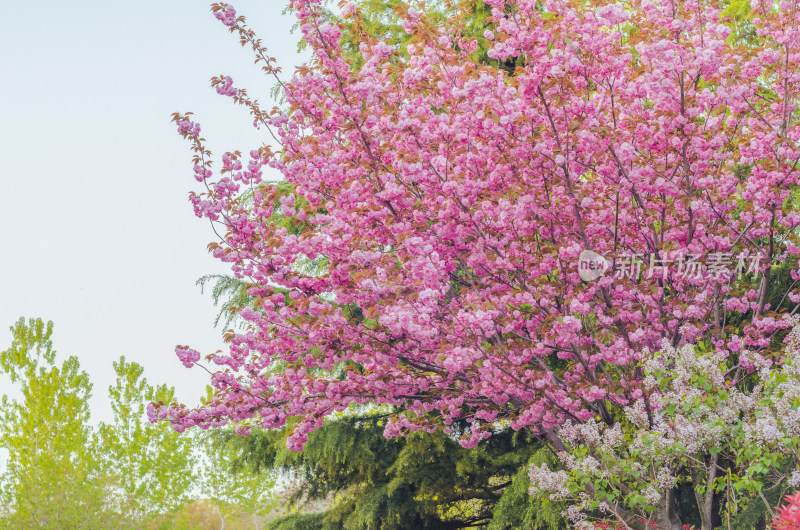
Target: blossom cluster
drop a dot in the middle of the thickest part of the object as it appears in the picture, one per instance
(227, 15)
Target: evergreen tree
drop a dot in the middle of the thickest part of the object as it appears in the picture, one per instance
(420, 481)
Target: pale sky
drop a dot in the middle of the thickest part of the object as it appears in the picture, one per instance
(99, 235)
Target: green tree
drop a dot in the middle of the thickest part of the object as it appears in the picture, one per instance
(420, 481)
(151, 466)
(233, 491)
(53, 477)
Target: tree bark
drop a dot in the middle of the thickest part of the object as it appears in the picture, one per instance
(221, 518)
(705, 502)
(666, 518)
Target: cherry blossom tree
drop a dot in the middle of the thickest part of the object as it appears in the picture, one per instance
(507, 248)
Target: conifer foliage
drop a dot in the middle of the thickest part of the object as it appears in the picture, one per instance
(420, 481)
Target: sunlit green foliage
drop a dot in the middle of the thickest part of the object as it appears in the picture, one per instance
(54, 475)
(61, 473)
(150, 467)
(233, 492)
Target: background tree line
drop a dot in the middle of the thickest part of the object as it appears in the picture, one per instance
(63, 472)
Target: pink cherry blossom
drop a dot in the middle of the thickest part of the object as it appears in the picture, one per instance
(446, 203)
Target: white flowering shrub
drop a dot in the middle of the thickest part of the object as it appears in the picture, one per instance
(688, 425)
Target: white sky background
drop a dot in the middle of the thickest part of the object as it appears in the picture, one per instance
(99, 236)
